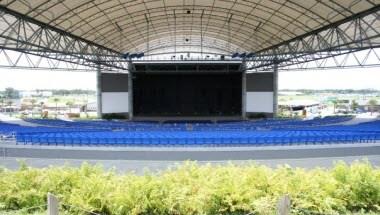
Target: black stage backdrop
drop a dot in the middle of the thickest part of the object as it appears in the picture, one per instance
(187, 94)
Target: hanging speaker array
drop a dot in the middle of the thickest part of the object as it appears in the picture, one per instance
(243, 55)
(133, 55)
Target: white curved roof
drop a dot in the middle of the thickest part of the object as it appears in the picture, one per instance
(162, 26)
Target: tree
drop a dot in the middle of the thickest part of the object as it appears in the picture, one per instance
(33, 102)
(335, 102)
(354, 105)
(56, 100)
(69, 104)
(372, 103)
(85, 102)
(2, 100)
(9, 104)
(42, 109)
(11, 93)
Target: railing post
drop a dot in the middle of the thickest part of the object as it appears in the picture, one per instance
(283, 205)
(4, 152)
(53, 205)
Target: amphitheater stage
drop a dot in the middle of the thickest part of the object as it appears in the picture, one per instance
(187, 119)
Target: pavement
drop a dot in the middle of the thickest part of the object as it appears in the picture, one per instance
(138, 159)
(14, 120)
(139, 167)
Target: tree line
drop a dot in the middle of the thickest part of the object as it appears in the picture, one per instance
(337, 91)
(11, 93)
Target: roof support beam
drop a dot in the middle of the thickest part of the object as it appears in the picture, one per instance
(16, 59)
(359, 59)
(356, 33)
(24, 34)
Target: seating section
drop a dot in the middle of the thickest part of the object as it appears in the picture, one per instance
(230, 133)
(10, 131)
(195, 126)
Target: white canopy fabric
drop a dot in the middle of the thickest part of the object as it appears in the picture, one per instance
(166, 26)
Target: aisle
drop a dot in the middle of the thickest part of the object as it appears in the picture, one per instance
(14, 120)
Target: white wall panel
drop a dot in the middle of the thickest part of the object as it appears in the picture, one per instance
(259, 102)
(115, 102)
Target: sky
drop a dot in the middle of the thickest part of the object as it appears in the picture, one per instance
(361, 78)
(37, 79)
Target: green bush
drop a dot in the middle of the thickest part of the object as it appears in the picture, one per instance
(111, 116)
(257, 116)
(195, 189)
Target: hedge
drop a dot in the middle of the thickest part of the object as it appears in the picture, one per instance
(195, 189)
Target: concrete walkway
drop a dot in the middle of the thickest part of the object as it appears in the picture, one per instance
(190, 153)
(359, 120)
(138, 166)
(13, 120)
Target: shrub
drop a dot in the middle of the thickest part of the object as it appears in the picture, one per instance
(112, 116)
(196, 189)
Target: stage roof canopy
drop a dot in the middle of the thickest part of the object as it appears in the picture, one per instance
(261, 32)
(224, 26)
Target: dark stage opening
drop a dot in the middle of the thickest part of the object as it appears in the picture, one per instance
(187, 94)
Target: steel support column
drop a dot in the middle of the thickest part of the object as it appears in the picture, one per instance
(130, 90)
(244, 91)
(275, 88)
(99, 110)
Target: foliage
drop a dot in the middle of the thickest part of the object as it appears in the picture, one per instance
(11, 93)
(354, 105)
(196, 189)
(256, 116)
(111, 116)
(64, 92)
(335, 91)
(372, 102)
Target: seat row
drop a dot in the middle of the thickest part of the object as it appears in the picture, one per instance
(195, 138)
(183, 126)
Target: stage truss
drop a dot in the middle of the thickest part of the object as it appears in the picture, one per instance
(350, 43)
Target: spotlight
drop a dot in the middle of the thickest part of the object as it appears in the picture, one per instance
(140, 55)
(243, 55)
(251, 54)
(235, 55)
(125, 56)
